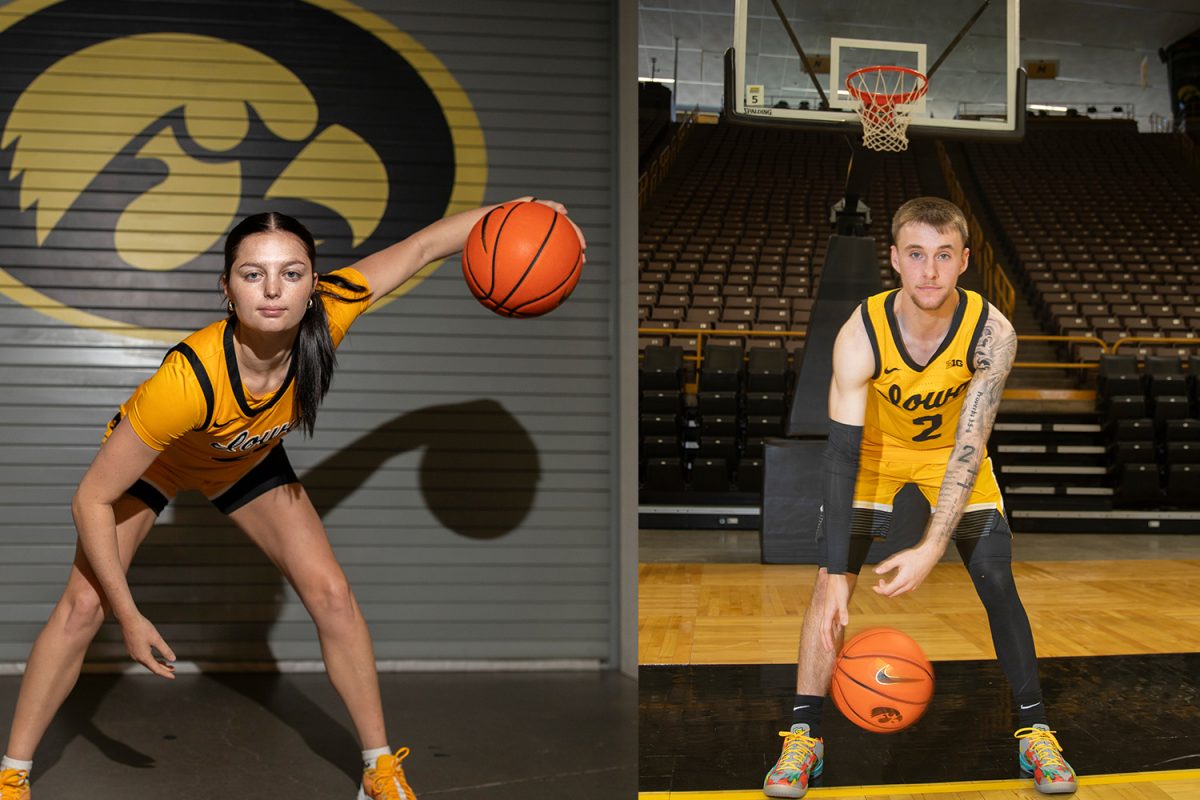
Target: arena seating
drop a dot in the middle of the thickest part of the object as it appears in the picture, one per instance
(1097, 224)
(1152, 429)
(1101, 223)
(734, 244)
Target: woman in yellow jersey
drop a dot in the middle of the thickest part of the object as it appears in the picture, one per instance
(918, 374)
(213, 418)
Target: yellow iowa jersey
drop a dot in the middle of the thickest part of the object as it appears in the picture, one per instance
(197, 411)
(913, 409)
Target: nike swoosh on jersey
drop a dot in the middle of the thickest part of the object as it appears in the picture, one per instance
(890, 370)
(883, 677)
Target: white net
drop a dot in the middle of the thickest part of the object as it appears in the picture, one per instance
(883, 98)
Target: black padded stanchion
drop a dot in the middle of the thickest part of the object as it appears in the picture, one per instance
(792, 469)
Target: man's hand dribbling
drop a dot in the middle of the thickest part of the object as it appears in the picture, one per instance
(912, 568)
(141, 640)
(836, 615)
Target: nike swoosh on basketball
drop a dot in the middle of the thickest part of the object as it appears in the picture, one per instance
(883, 677)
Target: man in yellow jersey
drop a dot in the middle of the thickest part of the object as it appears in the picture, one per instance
(917, 377)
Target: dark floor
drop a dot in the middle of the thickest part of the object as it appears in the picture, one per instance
(710, 728)
(493, 736)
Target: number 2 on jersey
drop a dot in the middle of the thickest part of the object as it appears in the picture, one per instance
(934, 421)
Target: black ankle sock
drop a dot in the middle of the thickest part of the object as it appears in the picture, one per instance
(807, 708)
(1030, 710)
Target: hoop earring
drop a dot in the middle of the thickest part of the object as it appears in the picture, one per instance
(309, 303)
(229, 306)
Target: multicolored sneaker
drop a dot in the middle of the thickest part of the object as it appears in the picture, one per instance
(802, 759)
(1040, 754)
(385, 781)
(14, 784)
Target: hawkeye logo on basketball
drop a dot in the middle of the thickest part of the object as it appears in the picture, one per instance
(132, 147)
(927, 401)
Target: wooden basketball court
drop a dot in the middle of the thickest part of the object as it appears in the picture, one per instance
(718, 643)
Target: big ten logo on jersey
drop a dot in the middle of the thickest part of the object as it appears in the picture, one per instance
(953, 362)
(138, 135)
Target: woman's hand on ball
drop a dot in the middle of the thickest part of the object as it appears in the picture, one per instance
(561, 209)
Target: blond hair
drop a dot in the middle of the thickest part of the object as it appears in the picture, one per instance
(935, 212)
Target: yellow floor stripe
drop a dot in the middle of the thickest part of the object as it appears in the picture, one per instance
(929, 788)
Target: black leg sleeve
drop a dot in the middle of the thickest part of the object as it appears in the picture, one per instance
(989, 561)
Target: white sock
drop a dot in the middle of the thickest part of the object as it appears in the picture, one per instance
(12, 763)
(371, 756)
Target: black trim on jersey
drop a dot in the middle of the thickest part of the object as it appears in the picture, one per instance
(874, 342)
(889, 309)
(201, 377)
(235, 377)
(983, 317)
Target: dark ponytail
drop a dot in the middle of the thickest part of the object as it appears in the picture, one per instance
(313, 354)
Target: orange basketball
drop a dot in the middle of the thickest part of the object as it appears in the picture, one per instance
(882, 681)
(522, 259)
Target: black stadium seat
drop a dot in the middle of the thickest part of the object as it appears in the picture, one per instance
(710, 475)
(1133, 430)
(1125, 406)
(661, 368)
(1121, 453)
(767, 371)
(750, 475)
(1183, 453)
(658, 425)
(721, 402)
(660, 401)
(1183, 430)
(1170, 407)
(664, 475)
(1138, 485)
(721, 369)
(1118, 375)
(1183, 485)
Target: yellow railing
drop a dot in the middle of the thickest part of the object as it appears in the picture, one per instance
(1154, 341)
(654, 174)
(1058, 364)
(996, 285)
(702, 333)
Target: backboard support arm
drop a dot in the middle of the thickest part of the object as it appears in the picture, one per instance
(808, 67)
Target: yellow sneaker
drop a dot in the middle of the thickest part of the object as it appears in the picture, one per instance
(14, 784)
(384, 781)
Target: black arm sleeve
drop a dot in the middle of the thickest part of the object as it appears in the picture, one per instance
(837, 498)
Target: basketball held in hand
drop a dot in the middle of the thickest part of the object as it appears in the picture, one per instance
(882, 681)
(522, 259)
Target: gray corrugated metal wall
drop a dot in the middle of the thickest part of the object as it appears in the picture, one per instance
(463, 462)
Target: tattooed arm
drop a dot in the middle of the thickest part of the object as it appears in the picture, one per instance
(994, 355)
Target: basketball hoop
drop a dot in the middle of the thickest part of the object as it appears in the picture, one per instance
(883, 98)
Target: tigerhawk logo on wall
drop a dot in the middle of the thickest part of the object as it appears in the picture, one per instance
(138, 134)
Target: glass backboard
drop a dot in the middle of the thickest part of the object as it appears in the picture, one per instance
(968, 48)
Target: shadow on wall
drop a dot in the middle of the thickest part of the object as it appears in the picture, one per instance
(199, 577)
